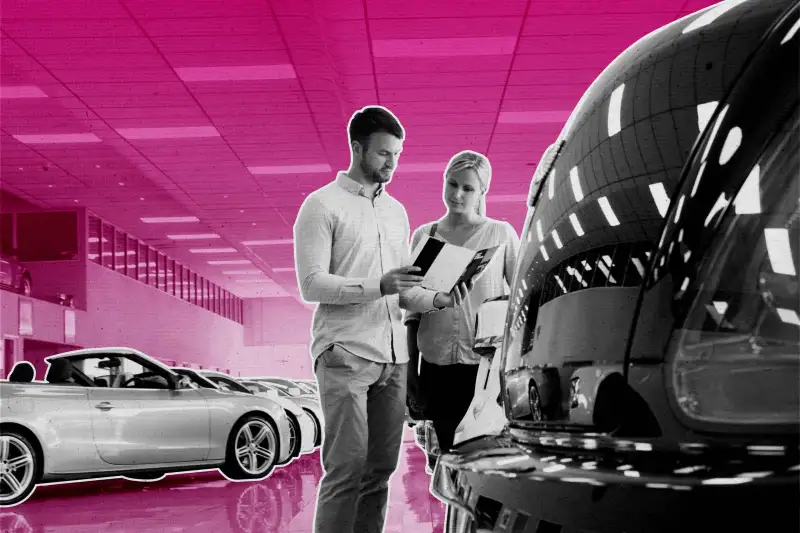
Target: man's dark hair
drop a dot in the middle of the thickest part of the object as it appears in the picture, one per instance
(371, 120)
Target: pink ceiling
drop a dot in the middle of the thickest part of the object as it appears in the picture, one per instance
(233, 111)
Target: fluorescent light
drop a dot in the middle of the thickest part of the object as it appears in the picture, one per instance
(607, 211)
(552, 187)
(576, 184)
(539, 230)
(720, 307)
(561, 284)
(697, 179)
(533, 117)
(714, 131)
(721, 203)
(748, 201)
(240, 73)
(615, 111)
(711, 15)
(187, 132)
(679, 209)
(779, 251)
(168, 220)
(268, 242)
(557, 240)
(193, 236)
(660, 197)
(243, 272)
(791, 33)
(21, 91)
(788, 315)
(544, 253)
(250, 280)
(229, 261)
(704, 113)
(639, 266)
(732, 143)
(213, 250)
(290, 169)
(444, 47)
(283, 269)
(59, 138)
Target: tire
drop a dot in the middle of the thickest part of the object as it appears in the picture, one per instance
(238, 465)
(295, 438)
(20, 459)
(317, 427)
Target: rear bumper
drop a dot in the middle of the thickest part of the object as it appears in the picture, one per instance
(284, 432)
(494, 485)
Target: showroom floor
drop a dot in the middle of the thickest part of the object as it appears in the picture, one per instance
(208, 502)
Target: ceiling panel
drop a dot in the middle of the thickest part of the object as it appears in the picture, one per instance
(273, 83)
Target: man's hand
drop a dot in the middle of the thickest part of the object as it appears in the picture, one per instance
(399, 280)
(453, 299)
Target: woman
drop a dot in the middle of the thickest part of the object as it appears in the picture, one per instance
(441, 327)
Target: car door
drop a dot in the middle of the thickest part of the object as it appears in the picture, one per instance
(141, 424)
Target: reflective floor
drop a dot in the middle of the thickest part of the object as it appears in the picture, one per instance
(208, 502)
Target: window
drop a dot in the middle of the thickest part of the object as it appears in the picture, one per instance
(119, 371)
(142, 263)
(108, 246)
(735, 349)
(152, 267)
(133, 258)
(121, 252)
(93, 248)
(48, 236)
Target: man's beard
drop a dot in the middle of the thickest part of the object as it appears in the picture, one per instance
(375, 174)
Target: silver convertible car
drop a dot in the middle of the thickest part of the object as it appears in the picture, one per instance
(107, 412)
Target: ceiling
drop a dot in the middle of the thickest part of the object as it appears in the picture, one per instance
(232, 112)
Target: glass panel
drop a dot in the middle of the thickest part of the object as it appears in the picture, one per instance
(133, 258)
(108, 246)
(93, 248)
(142, 263)
(152, 270)
(121, 252)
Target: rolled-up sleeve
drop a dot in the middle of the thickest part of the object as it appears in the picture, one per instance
(417, 300)
(313, 232)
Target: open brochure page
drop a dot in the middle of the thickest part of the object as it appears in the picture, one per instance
(443, 265)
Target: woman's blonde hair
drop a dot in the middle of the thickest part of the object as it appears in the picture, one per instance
(480, 164)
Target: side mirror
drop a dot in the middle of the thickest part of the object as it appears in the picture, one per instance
(294, 391)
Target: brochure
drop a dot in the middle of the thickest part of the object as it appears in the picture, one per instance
(444, 266)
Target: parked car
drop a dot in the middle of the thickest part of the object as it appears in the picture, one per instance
(114, 411)
(291, 387)
(651, 360)
(303, 430)
(13, 274)
(308, 403)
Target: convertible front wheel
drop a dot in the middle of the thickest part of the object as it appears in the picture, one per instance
(252, 449)
(19, 468)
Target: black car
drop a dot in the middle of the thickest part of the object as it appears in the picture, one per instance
(651, 361)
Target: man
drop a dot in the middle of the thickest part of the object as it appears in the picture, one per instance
(351, 250)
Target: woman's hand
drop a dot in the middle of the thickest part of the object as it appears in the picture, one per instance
(455, 298)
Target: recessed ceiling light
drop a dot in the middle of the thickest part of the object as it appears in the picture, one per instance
(187, 132)
(76, 201)
(193, 236)
(168, 220)
(141, 198)
(21, 91)
(444, 47)
(122, 183)
(59, 138)
(238, 73)
(290, 169)
(212, 250)
(533, 117)
(268, 242)
(50, 186)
